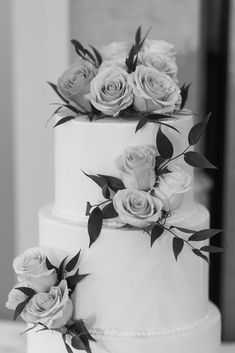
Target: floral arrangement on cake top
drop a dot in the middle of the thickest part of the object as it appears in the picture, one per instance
(149, 190)
(43, 297)
(124, 80)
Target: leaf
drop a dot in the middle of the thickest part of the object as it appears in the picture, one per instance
(113, 183)
(54, 87)
(184, 94)
(138, 36)
(78, 344)
(20, 307)
(72, 263)
(178, 245)
(64, 120)
(27, 291)
(159, 160)
(78, 47)
(170, 126)
(97, 54)
(143, 40)
(204, 234)
(72, 281)
(88, 208)
(61, 269)
(197, 160)
(197, 131)
(101, 182)
(109, 212)
(164, 145)
(156, 232)
(95, 224)
(184, 230)
(212, 249)
(142, 122)
(85, 341)
(69, 350)
(198, 253)
(49, 265)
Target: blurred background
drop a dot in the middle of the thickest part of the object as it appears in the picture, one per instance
(35, 48)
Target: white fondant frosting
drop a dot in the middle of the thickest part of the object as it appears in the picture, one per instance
(132, 286)
(203, 337)
(93, 148)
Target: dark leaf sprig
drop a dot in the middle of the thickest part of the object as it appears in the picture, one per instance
(132, 59)
(93, 57)
(193, 158)
(184, 94)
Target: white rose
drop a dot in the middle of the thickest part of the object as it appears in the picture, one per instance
(113, 62)
(31, 267)
(154, 91)
(115, 50)
(53, 309)
(137, 208)
(161, 62)
(74, 83)
(171, 188)
(159, 47)
(136, 167)
(15, 296)
(110, 91)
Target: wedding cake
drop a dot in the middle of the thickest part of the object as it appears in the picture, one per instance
(122, 262)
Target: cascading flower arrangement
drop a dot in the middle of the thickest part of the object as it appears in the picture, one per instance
(124, 80)
(43, 297)
(150, 188)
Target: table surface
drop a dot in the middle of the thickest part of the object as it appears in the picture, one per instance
(8, 330)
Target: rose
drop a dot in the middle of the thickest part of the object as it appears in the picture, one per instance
(74, 83)
(31, 267)
(113, 62)
(171, 188)
(53, 309)
(136, 166)
(154, 91)
(137, 208)
(115, 50)
(111, 91)
(15, 296)
(159, 47)
(161, 62)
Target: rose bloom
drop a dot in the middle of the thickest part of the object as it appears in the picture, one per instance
(53, 309)
(113, 62)
(159, 47)
(137, 208)
(15, 296)
(154, 91)
(171, 188)
(111, 91)
(161, 62)
(31, 267)
(136, 166)
(74, 83)
(115, 50)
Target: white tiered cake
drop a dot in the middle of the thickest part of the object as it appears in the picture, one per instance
(136, 298)
(122, 263)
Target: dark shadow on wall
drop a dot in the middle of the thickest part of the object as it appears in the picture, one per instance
(215, 38)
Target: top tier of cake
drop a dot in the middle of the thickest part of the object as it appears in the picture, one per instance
(93, 147)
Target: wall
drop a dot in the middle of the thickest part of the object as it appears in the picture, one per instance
(6, 157)
(228, 271)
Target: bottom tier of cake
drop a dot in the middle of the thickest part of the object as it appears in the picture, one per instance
(204, 337)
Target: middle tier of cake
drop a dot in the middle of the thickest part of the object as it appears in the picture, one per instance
(131, 286)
